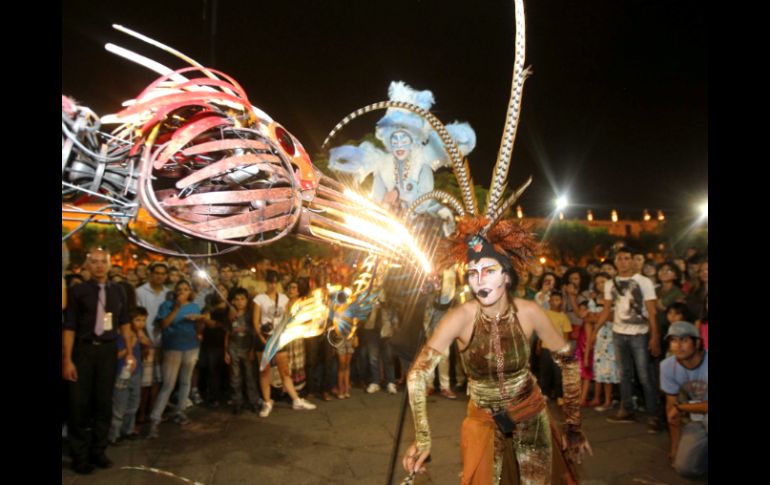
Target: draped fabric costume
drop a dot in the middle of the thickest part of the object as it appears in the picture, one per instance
(532, 454)
(532, 443)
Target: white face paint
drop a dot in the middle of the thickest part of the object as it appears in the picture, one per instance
(401, 144)
(487, 280)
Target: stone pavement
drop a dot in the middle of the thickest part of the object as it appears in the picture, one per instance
(348, 442)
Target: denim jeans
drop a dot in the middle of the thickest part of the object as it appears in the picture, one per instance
(692, 456)
(176, 364)
(631, 352)
(378, 349)
(125, 403)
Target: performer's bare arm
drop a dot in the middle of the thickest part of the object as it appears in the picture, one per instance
(456, 324)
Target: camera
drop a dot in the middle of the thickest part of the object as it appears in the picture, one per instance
(266, 328)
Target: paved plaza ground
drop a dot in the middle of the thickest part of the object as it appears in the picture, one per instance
(348, 442)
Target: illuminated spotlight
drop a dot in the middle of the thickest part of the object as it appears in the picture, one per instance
(590, 215)
(646, 215)
(542, 259)
(704, 210)
(661, 217)
(614, 215)
(201, 273)
(561, 203)
(253, 270)
(519, 212)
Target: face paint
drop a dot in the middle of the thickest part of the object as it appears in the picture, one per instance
(487, 280)
(401, 144)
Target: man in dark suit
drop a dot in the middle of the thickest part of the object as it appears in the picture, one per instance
(95, 310)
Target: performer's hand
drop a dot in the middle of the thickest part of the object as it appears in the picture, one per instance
(414, 460)
(227, 358)
(576, 444)
(390, 199)
(68, 371)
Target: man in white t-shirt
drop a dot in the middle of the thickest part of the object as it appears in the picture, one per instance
(150, 296)
(635, 335)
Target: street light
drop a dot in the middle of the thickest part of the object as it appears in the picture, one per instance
(519, 212)
(561, 203)
(590, 215)
(614, 215)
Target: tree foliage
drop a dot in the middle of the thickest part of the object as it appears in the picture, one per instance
(570, 241)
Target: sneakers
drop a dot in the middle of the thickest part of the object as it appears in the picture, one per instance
(653, 425)
(196, 397)
(372, 388)
(603, 408)
(267, 408)
(188, 403)
(448, 394)
(622, 417)
(392, 389)
(182, 419)
(301, 404)
(153, 431)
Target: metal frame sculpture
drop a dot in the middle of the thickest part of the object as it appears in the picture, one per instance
(192, 152)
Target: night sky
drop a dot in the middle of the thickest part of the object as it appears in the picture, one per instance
(615, 113)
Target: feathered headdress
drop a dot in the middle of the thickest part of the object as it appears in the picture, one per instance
(507, 241)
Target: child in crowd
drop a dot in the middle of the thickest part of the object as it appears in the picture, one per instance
(126, 397)
(676, 312)
(606, 371)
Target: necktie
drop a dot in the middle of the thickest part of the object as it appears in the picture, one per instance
(100, 311)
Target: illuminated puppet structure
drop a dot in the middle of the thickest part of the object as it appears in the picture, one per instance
(403, 172)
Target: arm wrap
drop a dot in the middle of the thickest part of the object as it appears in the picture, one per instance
(570, 376)
(417, 382)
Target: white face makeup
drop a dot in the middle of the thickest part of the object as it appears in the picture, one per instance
(487, 280)
(401, 144)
